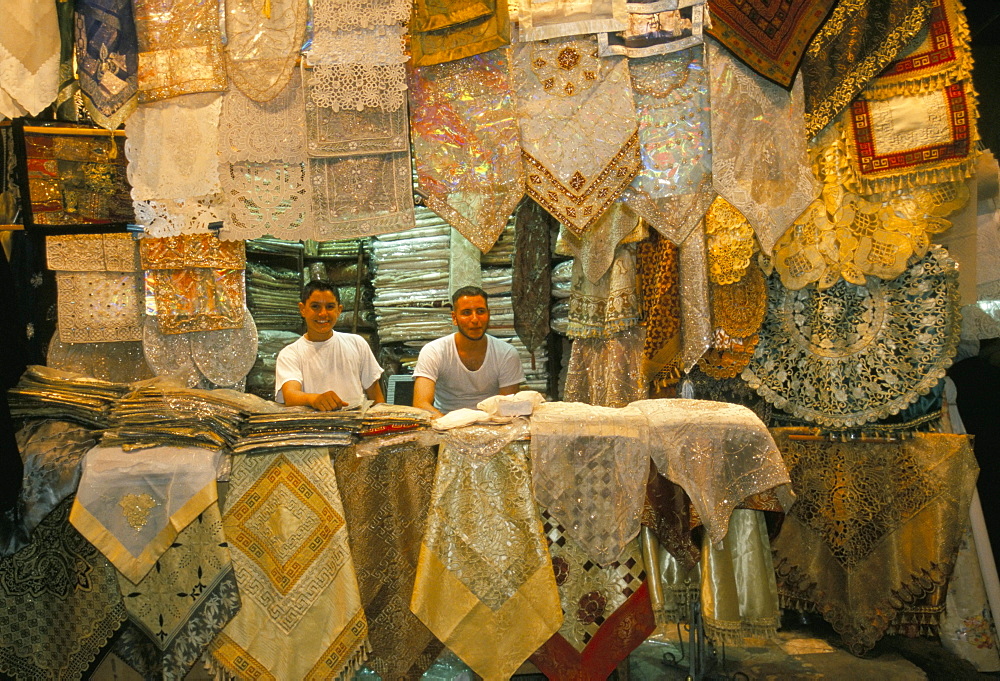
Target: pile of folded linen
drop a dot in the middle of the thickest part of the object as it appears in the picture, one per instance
(562, 280)
(273, 296)
(46, 393)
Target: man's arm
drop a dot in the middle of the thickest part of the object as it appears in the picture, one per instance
(328, 401)
(510, 389)
(423, 395)
(374, 392)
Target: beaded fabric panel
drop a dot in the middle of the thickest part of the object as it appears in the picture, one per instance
(99, 307)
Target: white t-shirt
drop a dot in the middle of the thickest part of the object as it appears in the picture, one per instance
(342, 363)
(454, 385)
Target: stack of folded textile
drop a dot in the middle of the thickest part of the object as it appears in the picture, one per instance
(45, 393)
(562, 279)
(273, 296)
(260, 380)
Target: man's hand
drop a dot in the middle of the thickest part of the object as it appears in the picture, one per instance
(328, 401)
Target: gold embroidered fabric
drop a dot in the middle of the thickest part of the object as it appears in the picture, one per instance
(263, 40)
(488, 31)
(855, 43)
(730, 241)
(738, 308)
(578, 128)
(284, 523)
(728, 356)
(200, 250)
(659, 285)
(60, 602)
(131, 508)
(876, 526)
(92, 252)
(181, 605)
(385, 532)
(606, 371)
(336, 15)
(595, 249)
(696, 313)
(180, 48)
(760, 162)
(483, 553)
(541, 20)
(847, 355)
(608, 306)
(99, 307)
(466, 144)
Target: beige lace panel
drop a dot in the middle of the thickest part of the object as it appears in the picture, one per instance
(838, 357)
(356, 86)
(99, 307)
(274, 130)
(172, 217)
(264, 39)
(336, 15)
(759, 161)
(350, 132)
(171, 148)
(539, 19)
(180, 48)
(674, 187)
(202, 250)
(382, 45)
(578, 128)
(608, 306)
(730, 241)
(92, 252)
(197, 299)
(266, 199)
(595, 248)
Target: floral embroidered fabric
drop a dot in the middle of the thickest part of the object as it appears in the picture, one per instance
(107, 62)
(660, 288)
(595, 249)
(180, 48)
(825, 354)
(540, 20)
(609, 305)
(606, 371)
(99, 307)
(264, 38)
(676, 28)
(738, 308)
(29, 58)
(773, 183)
(466, 143)
(578, 128)
(263, 131)
(730, 242)
(201, 250)
(350, 132)
(674, 186)
(728, 356)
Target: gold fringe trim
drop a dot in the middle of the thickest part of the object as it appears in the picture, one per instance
(218, 671)
(736, 633)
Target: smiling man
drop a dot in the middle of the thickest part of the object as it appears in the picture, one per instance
(324, 369)
(466, 367)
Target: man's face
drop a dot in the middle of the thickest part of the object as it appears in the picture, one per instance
(320, 311)
(471, 316)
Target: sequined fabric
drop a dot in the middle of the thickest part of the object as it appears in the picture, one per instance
(385, 532)
(696, 318)
(60, 602)
(855, 43)
(466, 143)
(99, 307)
(483, 553)
(442, 38)
(850, 354)
(180, 48)
(863, 506)
(659, 286)
(107, 60)
(540, 20)
(674, 186)
(264, 38)
(225, 356)
(578, 128)
(772, 183)
(285, 527)
(531, 285)
(663, 32)
(606, 371)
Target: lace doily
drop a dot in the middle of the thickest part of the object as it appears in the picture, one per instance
(180, 48)
(760, 163)
(539, 20)
(29, 58)
(349, 132)
(850, 354)
(663, 32)
(159, 144)
(173, 217)
(730, 241)
(263, 131)
(225, 356)
(169, 355)
(674, 186)
(356, 86)
(99, 307)
(92, 252)
(466, 144)
(738, 308)
(266, 199)
(107, 60)
(264, 38)
(335, 15)
(578, 128)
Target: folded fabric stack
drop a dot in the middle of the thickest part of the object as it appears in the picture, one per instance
(182, 417)
(45, 393)
(340, 248)
(273, 296)
(562, 278)
(260, 380)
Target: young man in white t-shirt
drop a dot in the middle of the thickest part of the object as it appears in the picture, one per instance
(464, 368)
(324, 369)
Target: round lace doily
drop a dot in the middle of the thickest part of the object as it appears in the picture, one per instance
(169, 354)
(850, 354)
(226, 356)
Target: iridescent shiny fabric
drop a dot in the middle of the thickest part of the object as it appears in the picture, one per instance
(863, 506)
(385, 531)
(759, 163)
(674, 186)
(448, 31)
(578, 128)
(540, 20)
(60, 601)
(284, 523)
(264, 38)
(848, 355)
(770, 37)
(855, 43)
(466, 143)
(657, 32)
(588, 464)
(29, 58)
(483, 553)
(180, 48)
(107, 60)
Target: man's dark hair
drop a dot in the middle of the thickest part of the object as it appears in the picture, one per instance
(319, 285)
(471, 292)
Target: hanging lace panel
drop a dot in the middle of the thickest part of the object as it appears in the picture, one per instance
(610, 305)
(266, 199)
(263, 131)
(350, 132)
(264, 38)
(180, 48)
(696, 316)
(107, 61)
(29, 58)
(335, 15)
(651, 33)
(578, 128)
(595, 249)
(674, 186)
(466, 143)
(848, 355)
(173, 217)
(759, 163)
